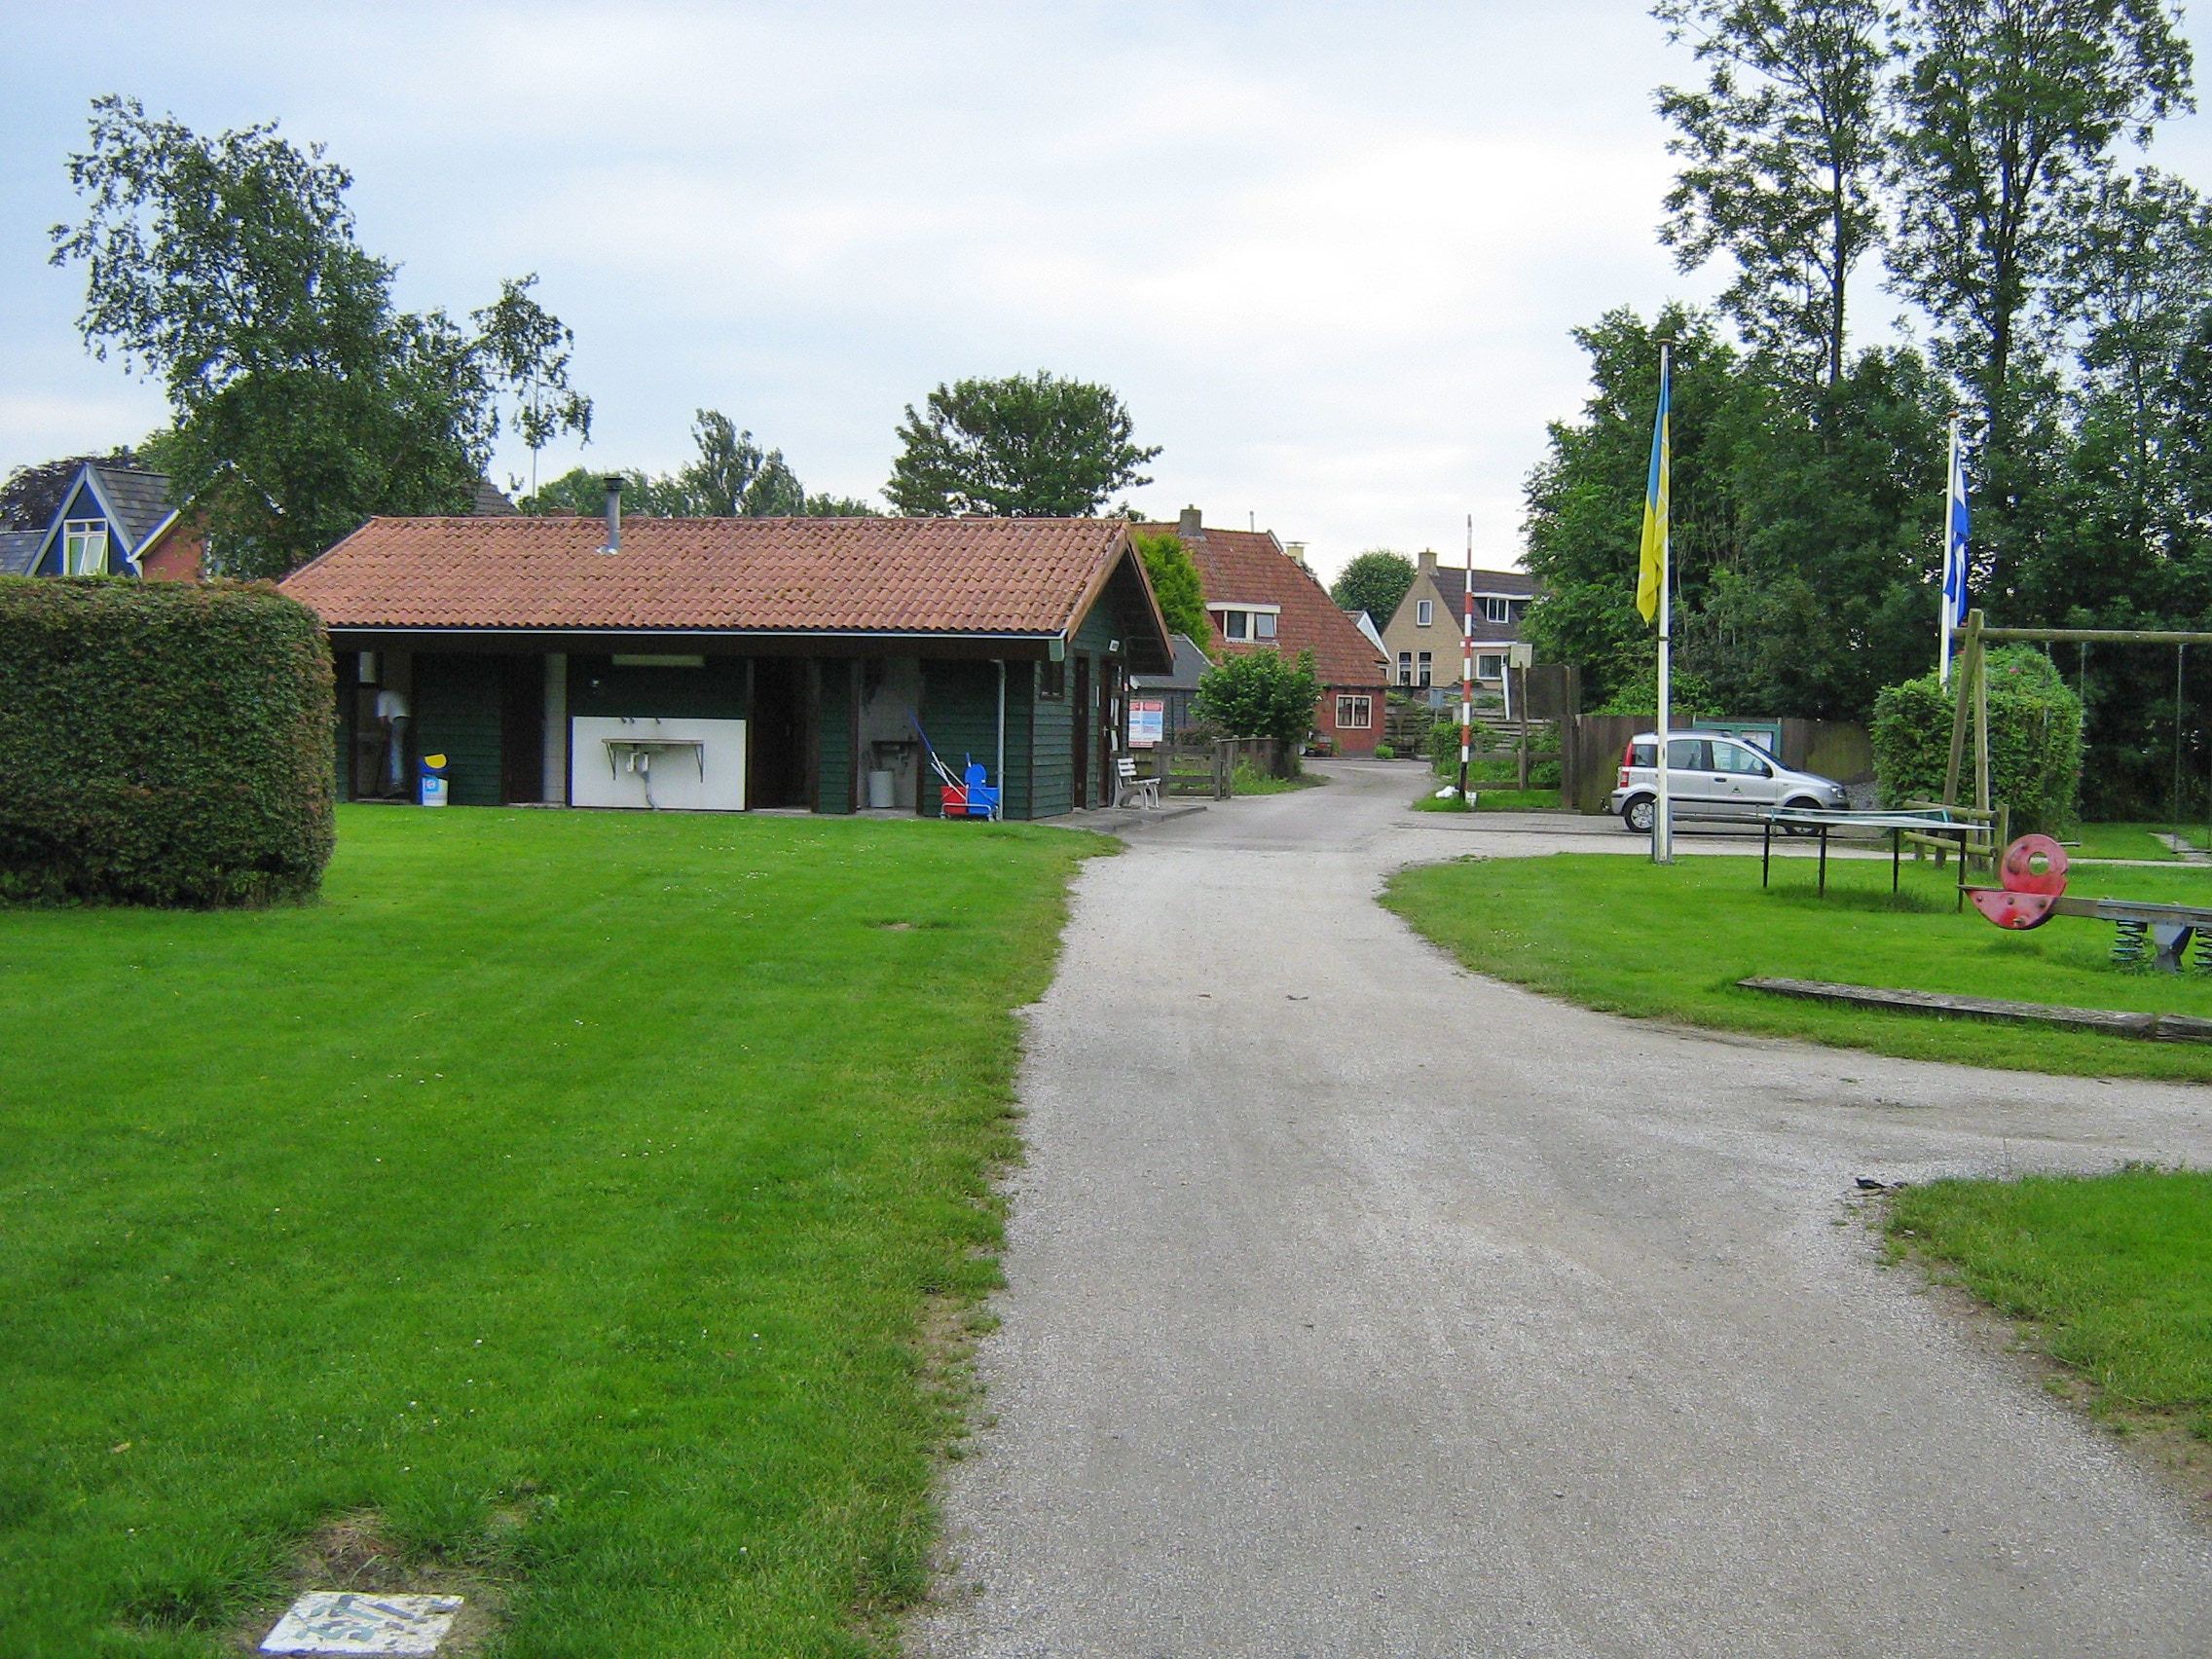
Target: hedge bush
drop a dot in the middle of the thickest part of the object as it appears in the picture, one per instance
(162, 743)
(2035, 741)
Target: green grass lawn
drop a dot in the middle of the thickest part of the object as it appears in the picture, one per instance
(1618, 933)
(2126, 840)
(570, 1193)
(1249, 780)
(2116, 1269)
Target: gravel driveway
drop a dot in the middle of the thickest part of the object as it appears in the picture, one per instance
(1362, 1306)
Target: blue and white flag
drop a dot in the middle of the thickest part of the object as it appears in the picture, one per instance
(1955, 537)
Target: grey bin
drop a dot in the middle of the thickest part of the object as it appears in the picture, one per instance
(879, 785)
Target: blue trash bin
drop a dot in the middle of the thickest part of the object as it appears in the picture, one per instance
(434, 792)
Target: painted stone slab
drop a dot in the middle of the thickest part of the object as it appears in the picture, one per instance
(350, 1622)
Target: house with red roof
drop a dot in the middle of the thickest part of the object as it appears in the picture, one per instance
(736, 663)
(1260, 598)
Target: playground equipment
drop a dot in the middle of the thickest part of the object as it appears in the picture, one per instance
(2033, 873)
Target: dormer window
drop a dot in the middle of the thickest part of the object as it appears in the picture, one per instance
(84, 547)
(1496, 607)
(1241, 623)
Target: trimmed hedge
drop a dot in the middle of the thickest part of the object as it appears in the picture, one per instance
(2035, 741)
(162, 743)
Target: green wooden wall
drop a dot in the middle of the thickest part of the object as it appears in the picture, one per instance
(712, 692)
(457, 715)
(833, 748)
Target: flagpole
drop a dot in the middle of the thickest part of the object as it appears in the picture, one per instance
(1663, 822)
(1946, 602)
(1467, 662)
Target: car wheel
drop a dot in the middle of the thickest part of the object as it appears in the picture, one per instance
(1638, 815)
(1801, 805)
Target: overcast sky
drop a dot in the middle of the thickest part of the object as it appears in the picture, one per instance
(1327, 253)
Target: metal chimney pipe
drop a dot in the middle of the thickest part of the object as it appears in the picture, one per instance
(613, 513)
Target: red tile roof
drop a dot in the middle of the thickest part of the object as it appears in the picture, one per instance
(1251, 566)
(841, 575)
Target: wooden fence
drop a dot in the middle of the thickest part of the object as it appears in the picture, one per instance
(1208, 769)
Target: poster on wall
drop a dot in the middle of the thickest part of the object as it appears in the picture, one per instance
(1147, 719)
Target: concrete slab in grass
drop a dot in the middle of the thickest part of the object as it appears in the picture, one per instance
(347, 1622)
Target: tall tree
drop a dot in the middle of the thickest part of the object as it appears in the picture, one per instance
(1028, 446)
(1783, 151)
(2008, 113)
(301, 400)
(1375, 581)
(1175, 584)
(735, 477)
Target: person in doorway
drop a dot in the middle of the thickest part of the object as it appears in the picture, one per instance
(391, 719)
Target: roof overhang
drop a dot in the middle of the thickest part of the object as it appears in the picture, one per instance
(734, 641)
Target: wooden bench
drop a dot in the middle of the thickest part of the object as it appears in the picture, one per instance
(1143, 793)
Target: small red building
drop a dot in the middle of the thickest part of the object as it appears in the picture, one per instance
(1260, 598)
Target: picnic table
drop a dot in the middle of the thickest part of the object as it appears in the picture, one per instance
(1923, 821)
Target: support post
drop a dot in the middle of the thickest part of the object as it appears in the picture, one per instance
(1663, 822)
(1981, 723)
(1467, 660)
(1962, 709)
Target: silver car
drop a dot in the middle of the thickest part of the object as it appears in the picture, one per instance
(1710, 774)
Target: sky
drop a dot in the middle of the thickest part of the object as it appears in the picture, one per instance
(1328, 255)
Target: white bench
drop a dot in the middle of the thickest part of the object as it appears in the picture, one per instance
(1133, 790)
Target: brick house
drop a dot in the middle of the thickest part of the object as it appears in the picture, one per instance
(1422, 635)
(1259, 598)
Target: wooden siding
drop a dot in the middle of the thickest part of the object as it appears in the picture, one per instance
(1051, 726)
(960, 709)
(713, 692)
(457, 715)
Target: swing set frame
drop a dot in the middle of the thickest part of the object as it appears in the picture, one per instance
(1972, 705)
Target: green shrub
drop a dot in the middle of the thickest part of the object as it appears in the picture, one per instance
(2035, 741)
(1260, 693)
(1383, 752)
(1444, 744)
(162, 743)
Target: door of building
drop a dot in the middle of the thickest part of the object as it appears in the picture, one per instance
(521, 729)
(775, 733)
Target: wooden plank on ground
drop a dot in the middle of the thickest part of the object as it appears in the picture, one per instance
(2113, 1022)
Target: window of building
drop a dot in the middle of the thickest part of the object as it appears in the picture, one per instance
(1490, 665)
(1424, 612)
(1355, 714)
(1051, 679)
(1496, 608)
(1247, 620)
(1426, 671)
(1405, 668)
(84, 547)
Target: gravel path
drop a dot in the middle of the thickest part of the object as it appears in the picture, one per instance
(1324, 1338)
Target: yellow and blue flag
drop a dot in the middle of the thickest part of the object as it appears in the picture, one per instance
(1651, 570)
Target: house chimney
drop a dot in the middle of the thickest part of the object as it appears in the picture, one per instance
(1297, 551)
(1427, 563)
(1190, 523)
(613, 513)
